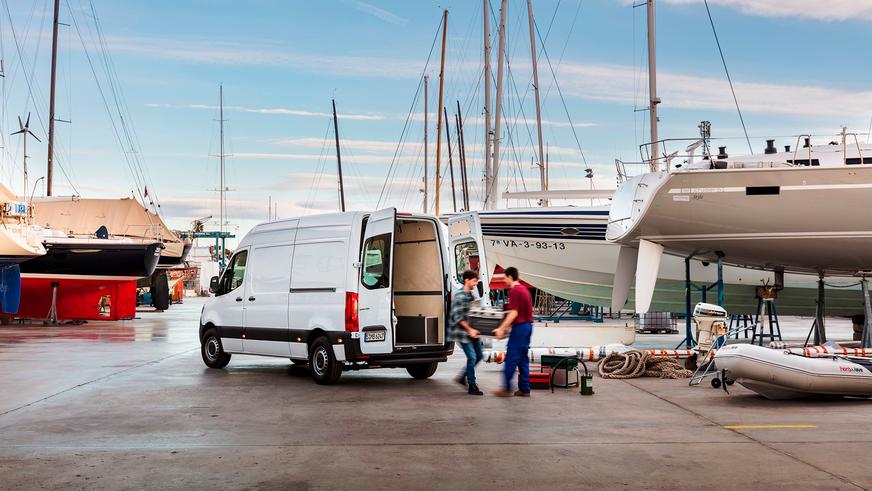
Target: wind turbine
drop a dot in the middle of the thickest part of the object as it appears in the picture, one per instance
(24, 131)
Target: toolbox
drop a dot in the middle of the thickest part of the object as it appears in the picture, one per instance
(540, 378)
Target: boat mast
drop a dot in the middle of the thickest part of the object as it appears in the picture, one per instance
(51, 103)
(652, 88)
(495, 163)
(426, 165)
(464, 185)
(450, 162)
(542, 180)
(338, 159)
(439, 119)
(487, 107)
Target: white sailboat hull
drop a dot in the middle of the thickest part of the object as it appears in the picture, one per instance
(800, 219)
(582, 269)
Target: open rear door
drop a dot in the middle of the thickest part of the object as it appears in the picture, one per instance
(376, 283)
(467, 251)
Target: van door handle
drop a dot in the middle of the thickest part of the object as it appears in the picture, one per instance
(238, 299)
(251, 299)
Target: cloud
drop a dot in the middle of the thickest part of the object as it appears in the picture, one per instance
(831, 10)
(263, 53)
(380, 13)
(272, 110)
(614, 83)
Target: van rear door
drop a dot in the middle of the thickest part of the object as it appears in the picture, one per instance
(375, 297)
(467, 251)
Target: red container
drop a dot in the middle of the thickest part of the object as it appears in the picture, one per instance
(539, 379)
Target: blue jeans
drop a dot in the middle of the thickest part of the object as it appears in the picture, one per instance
(474, 355)
(516, 357)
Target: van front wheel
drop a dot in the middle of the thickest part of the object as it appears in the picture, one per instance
(422, 370)
(322, 363)
(212, 350)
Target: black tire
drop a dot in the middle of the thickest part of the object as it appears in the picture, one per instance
(300, 363)
(213, 351)
(716, 383)
(323, 366)
(730, 381)
(160, 290)
(422, 371)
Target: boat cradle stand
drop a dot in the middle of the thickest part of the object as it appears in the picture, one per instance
(689, 287)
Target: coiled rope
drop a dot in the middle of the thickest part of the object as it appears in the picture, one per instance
(635, 364)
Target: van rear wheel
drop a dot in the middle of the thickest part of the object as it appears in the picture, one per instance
(323, 366)
(422, 371)
(212, 350)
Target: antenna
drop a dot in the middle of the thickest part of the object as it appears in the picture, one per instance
(24, 131)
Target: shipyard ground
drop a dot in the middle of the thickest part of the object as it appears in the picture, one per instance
(131, 405)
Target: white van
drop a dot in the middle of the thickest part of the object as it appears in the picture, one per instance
(343, 291)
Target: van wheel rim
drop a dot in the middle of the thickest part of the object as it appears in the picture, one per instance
(212, 349)
(320, 361)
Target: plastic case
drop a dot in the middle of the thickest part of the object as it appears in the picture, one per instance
(485, 320)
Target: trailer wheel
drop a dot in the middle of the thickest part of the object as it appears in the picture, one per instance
(323, 366)
(212, 350)
(716, 383)
(422, 371)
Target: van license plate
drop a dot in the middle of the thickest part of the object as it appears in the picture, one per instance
(374, 336)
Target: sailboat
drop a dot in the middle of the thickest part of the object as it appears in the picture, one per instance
(800, 211)
(563, 250)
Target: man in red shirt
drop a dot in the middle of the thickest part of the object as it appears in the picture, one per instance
(520, 318)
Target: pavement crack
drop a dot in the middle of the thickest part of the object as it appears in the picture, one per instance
(747, 437)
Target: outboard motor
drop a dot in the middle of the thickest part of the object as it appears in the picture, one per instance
(770, 147)
(722, 153)
(711, 322)
(806, 142)
(786, 148)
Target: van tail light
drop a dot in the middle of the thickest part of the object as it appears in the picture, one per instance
(352, 322)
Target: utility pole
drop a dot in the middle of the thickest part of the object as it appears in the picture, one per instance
(51, 103)
(495, 163)
(652, 88)
(464, 185)
(426, 151)
(542, 180)
(439, 119)
(488, 172)
(338, 159)
(450, 163)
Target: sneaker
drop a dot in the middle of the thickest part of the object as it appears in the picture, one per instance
(474, 391)
(518, 393)
(502, 393)
(461, 379)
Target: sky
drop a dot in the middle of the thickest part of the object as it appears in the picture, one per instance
(138, 85)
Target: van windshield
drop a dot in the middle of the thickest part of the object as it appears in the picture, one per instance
(376, 262)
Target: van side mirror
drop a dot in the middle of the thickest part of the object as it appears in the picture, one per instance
(213, 284)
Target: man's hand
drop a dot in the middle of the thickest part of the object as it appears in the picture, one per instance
(500, 332)
(473, 333)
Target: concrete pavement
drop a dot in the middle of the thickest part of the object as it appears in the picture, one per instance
(131, 405)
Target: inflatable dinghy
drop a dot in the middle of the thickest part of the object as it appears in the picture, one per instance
(780, 374)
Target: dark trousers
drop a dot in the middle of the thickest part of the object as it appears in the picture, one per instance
(516, 357)
(474, 355)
